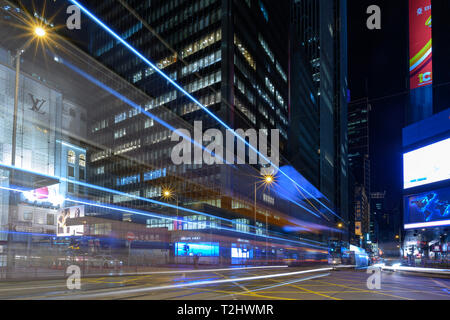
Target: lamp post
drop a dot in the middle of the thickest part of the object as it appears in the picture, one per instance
(39, 32)
(167, 194)
(267, 180)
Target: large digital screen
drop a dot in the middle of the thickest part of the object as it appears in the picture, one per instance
(64, 215)
(420, 43)
(426, 210)
(427, 165)
(183, 249)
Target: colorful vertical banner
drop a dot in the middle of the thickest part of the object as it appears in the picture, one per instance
(420, 44)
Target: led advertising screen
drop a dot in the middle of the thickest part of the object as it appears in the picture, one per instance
(429, 209)
(63, 217)
(183, 249)
(420, 43)
(427, 165)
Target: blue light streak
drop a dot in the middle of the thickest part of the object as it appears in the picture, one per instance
(154, 215)
(181, 89)
(134, 105)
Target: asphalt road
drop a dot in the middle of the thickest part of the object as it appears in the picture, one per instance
(246, 284)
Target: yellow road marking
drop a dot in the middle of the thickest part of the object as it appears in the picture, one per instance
(362, 290)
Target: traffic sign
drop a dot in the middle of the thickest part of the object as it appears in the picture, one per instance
(131, 236)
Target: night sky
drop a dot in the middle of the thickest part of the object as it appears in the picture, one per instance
(378, 68)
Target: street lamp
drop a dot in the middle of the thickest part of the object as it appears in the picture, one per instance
(168, 194)
(267, 180)
(40, 33)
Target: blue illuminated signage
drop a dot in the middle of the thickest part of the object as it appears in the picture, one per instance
(184, 249)
(429, 209)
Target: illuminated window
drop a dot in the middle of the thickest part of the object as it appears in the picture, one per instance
(201, 44)
(245, 53)
(167, 61)
(82, 160)
(71, 157)
(266, 48)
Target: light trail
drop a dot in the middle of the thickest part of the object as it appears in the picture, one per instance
(195, 284)
(154, 215)
(162, 122)
(417, 269)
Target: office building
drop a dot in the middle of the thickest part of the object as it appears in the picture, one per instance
(319, 97)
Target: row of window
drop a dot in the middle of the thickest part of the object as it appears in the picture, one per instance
(125, 35)
(39, 219)
(201, 63)
(204, 82)
(127, 147)
(206, 101)
(241, 107)
(266, 48)
(71, 158)
(180, 17)
(245, 52)
(125, 115)
(202, 43)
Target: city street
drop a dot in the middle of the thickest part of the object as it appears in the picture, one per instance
(267, 284)
(220, 150)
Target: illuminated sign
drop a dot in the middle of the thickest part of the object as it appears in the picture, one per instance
(420, 43)
(240, 253)
(426, 210)
(63, 230)
(44, 195)
(427, 165)
(197, 249)
(358, 228)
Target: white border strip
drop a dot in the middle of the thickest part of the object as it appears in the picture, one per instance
(427, 224)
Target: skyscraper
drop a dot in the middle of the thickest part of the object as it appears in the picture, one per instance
(232, 57)
(319, 96)
(359, 166)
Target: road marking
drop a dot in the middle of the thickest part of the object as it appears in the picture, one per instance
(312, 292)
(235, 283)
(441, 284)
(363, 290)
(33, 288)
(282, 284)
(187, 271)
(199, 283)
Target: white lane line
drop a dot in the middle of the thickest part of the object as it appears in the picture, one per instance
(182, 271)
(32, 288)
(193, 284)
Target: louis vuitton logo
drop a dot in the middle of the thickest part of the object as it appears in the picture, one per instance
(37, 104)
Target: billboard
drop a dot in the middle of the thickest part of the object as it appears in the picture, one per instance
(429, 209)
(427, 165)
(420, 44)
(63, 230)
(183, 249)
